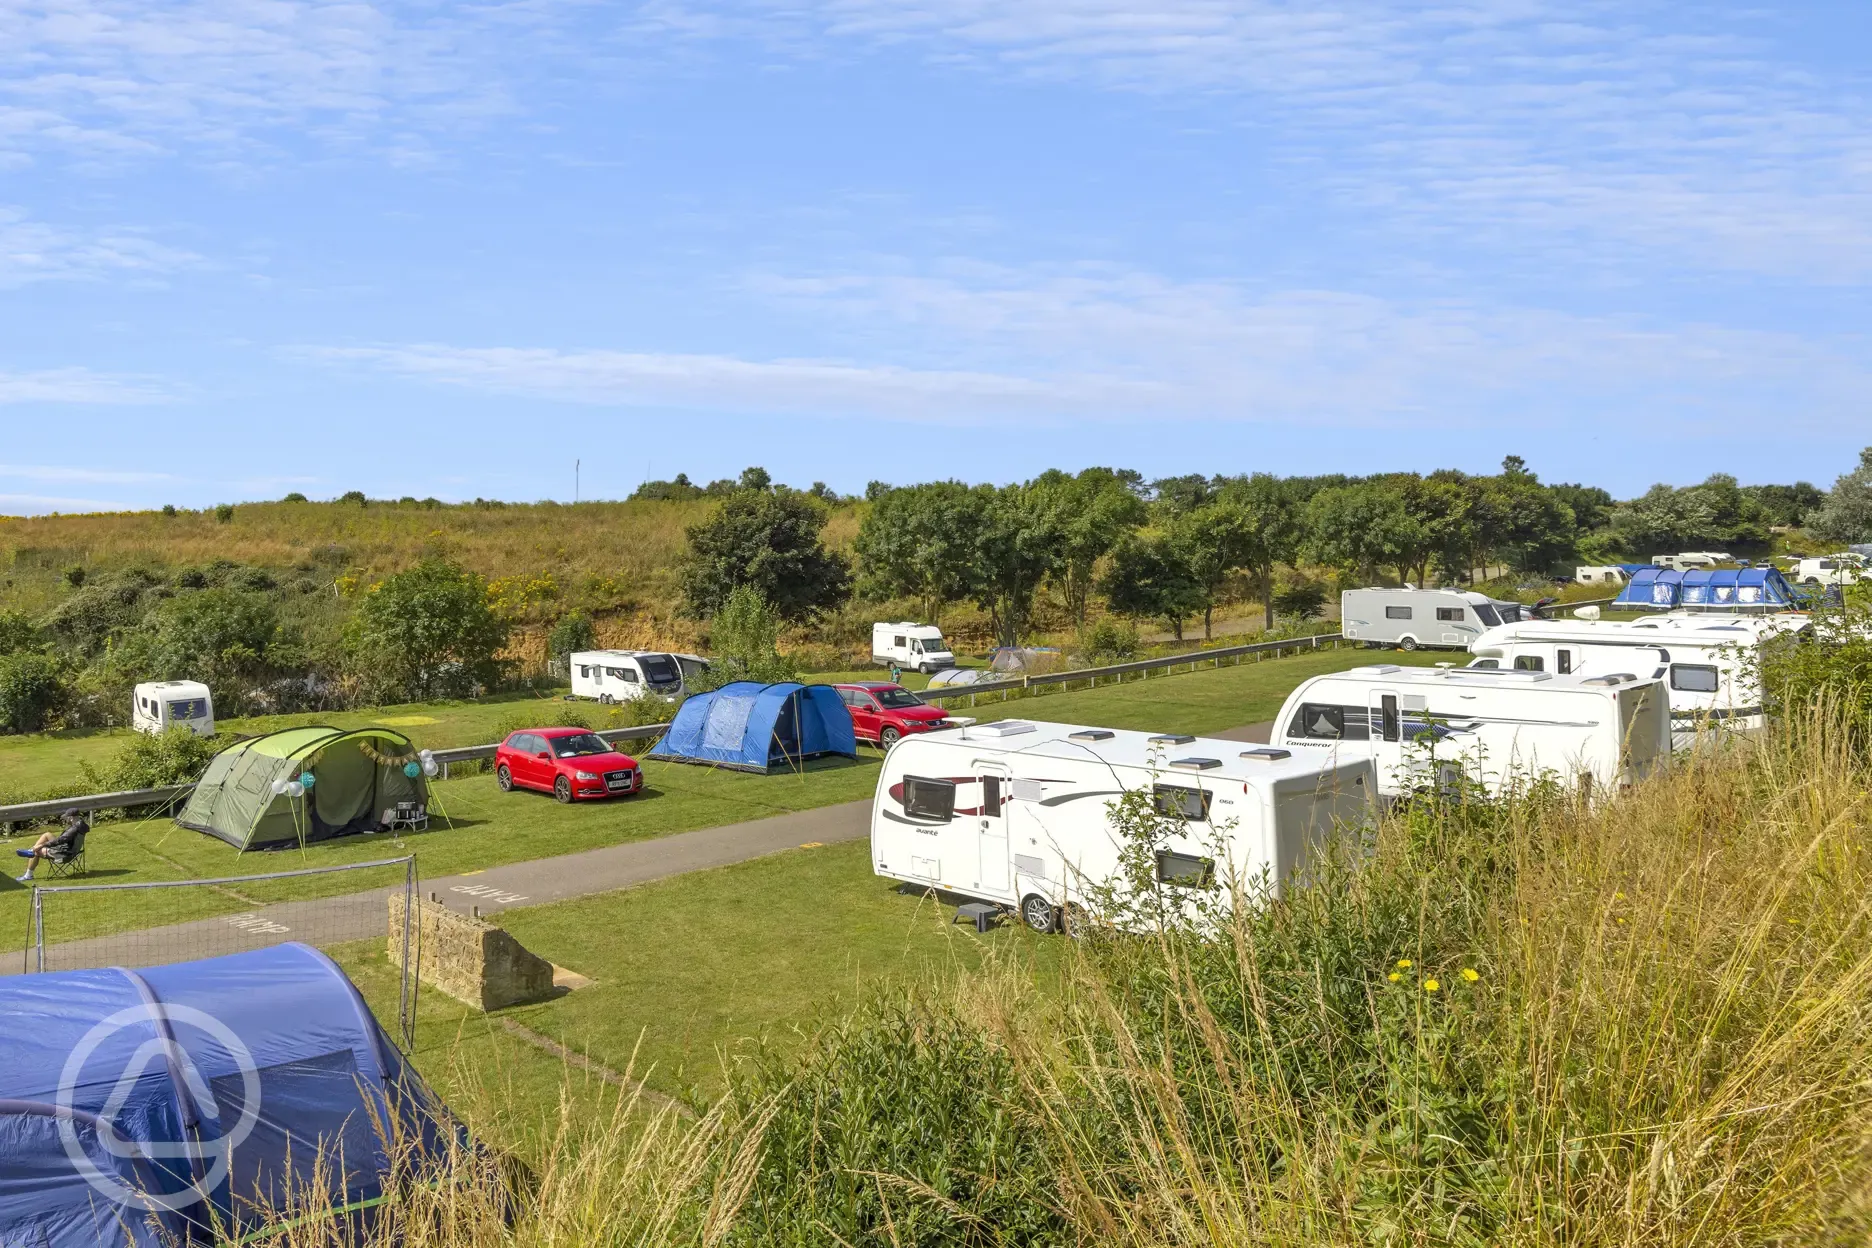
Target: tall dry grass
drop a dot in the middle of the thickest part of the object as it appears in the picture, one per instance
(1643, 1022)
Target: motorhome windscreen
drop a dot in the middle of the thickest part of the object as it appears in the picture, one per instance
(1180, 802)
(660, 669)
(1185, 870)
(924, 798)
(1325, 722)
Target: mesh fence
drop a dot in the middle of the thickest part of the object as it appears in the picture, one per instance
(79, 926)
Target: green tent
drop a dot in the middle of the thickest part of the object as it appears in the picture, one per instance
(357, 776)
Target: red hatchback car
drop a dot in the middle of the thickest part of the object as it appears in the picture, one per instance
(882, 712)
(569, 763)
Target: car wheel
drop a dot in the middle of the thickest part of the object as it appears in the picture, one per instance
(1072, 922)
(562, 789)
(503, 778)
(889, 737)
(1037, 912)
(1409, 643)
(1812, 580)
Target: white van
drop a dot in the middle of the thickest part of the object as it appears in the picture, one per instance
(159, 705)
(1409, 618)
(1015, 812)
(1708, 661)
(1608, 574)
(1501, 727)
(919, 647)
(1847, 569)
(622, 675)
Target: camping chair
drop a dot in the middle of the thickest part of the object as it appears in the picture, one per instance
(65, 857)
(413, 816)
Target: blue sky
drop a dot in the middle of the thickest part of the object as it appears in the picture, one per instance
(251, 246)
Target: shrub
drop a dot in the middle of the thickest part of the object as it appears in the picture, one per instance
(155, 760)
(1109, 640)
(294, 497)
(17, 632)
(32, 692)
(169, 509)
(1301, 599)
(573, 632)
(743, 640)
(769, 541)
(224, 513)
(427, 633)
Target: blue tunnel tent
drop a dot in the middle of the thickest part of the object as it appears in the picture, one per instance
(749, 726)
(199, 1101)
(1655, 589)
(1709, 589)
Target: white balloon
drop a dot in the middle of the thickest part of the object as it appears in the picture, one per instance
(426, 755)
(431, 767)
(279, 787)
(295, 789)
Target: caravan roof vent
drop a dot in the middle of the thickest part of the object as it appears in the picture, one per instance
(1091, 734)
(1378, 669)
(1001, 728)
(1610, 678)
(1172, 738)
(1266, 754)
(1196, 764)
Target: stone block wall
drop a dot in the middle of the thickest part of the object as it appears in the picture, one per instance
(471, 960)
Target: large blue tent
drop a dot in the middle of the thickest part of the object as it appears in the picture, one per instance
(197, 1102)
(754, 727)
(1708, 589)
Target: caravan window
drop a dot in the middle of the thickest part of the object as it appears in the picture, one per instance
(929, 799)
(1693, 678)
(659, 670)
(1563, 662)
(584, 670)
(1529, 663)
(1397, 613)
(691, 668)
(1185, 870)
(1449, 614)
(622, 673)
(1323, 722)
(1179, 802)
(1486, 614)
(192, 708)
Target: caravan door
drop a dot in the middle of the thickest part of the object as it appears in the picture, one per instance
(992, 845)
(1387, 738)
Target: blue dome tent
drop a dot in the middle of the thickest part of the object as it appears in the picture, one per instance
(198, 1101)
(749, 726)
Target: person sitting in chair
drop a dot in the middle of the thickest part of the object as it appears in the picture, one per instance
(54, 845)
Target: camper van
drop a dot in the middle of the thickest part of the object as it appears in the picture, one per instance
(1409, 618)
(1498, 727)
(1844, 569)
(1706, 661)
(159, 705)
(919, 647)
(1015, 811)
(621, 675)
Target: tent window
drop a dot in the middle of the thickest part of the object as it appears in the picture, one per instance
(1529, 663)
(1190, 805)
(1185, 870)
(929, 799)
(1693, 678)
(1449, 614)
(1397, 613)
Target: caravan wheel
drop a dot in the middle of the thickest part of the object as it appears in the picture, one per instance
(1409, 643)
(1037, 912)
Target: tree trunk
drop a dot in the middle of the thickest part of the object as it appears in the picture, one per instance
(1208, 611)
(1176, 626)
(1267, 597)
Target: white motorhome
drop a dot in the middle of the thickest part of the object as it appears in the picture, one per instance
(159, 705)
(1706, 660)
(1409, 618)
(1015, 812)
(1846, 569)
(1501, 727)
(919, 647)
(1605, 574)
(622, 675)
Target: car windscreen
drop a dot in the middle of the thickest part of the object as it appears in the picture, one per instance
(897, 699)
(659, 669)
(579, 746)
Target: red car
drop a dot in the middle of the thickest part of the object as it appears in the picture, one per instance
(569, 763)
(882, 712)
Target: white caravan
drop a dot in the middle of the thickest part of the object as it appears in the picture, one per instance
(1500, 727)
(1708, 661)
(1015, 812)
(159, 705)
(623, 675)
(1686, 560)
(919, 647)
(1607, 574)
(1847, 569)
(1408, 618)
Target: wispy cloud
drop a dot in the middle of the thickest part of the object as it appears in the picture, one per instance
(80, 385)
(60, 472)
(31, 504)
(32, 251)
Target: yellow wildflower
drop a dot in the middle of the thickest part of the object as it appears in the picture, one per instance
(1403, 964)
(1469, 974)
(1394, 977)
(1430, 985)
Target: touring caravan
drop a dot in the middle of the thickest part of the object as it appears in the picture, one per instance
(1499, 727)
(622, 675)
(919, 647)
(159, 705)
(1600, 574)
(1707, 661)
(1016, 812)
(1408, 618)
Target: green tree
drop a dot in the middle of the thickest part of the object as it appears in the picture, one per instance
(769, 540)
(32, 691)
(1375, 523)
(571, 633)
(1590, 505)
(428, 632)
(1091, 513)
(923, 542)
(18, 632)
(1273, 509)
(1145, 581)
(1846, 516)
(1789, 505)
(219, 636)
(1715, 513)
(744, 641)
(1209, 543)
(1020, 549)
(1176, 495)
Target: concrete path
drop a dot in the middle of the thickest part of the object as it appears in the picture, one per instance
(362, 915)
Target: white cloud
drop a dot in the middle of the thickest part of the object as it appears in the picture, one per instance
(80, 385)
(31, 251)
(59, 472)
(32, 504)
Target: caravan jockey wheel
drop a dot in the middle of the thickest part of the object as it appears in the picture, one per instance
(1037, 912)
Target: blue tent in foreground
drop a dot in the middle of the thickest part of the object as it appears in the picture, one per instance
(754, 727)
(156, 1106)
